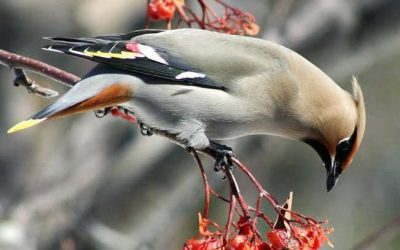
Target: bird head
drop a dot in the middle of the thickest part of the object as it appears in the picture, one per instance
(339, 135)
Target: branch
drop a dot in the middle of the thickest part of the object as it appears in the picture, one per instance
(21, 79)
(18, 62)
(205, 183)
(232, 21)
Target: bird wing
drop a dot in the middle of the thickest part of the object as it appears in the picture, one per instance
(128, 53)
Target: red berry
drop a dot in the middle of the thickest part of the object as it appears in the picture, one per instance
(161, 9)
(202, 244)
(260, 245)
(237, 243)
(278, 239)
(245, 227)
(152, 12)
(242, 242)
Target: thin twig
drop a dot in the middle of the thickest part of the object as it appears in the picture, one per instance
(232, 205)
(16, 61)
(205, 184)
(181, 11)
(236, 191)
(232, 21)
(218, 195)
(255, 182)
(147, 18)
(22, 80)
(280, 210)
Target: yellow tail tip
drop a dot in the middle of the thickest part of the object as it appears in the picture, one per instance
(25, 124)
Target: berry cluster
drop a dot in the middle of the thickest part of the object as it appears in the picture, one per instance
(231, 21)
(246, 237)
(290, 231)
(162, 9)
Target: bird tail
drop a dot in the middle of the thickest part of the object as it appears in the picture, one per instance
(38, 117)
(84, 96)
(58, 108)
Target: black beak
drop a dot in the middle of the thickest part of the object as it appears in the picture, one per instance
(333, 166)
(333, 172)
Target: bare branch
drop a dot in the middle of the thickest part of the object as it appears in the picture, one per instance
(22, 80)
(16, 61)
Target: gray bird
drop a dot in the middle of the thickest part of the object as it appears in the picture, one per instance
(203, 86)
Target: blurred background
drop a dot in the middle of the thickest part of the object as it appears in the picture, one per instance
(88, 183)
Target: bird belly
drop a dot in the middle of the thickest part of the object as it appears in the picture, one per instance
(196, 114)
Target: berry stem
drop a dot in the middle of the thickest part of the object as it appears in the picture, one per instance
(232, 205)
(205, 184)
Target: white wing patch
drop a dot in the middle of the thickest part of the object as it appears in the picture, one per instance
(189, 75)
(151, 53)
(50, 48)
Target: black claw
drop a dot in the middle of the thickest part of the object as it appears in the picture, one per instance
(229, 161)
(223, 156)
(145, 130)
(218, 163)
(126, 111)
(100, 113)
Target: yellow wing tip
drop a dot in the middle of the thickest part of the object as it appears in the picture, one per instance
(24, 125)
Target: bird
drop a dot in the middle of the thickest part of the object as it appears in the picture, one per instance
(203, 87)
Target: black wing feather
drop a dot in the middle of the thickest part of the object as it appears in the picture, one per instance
(141, 65)
(130, 35)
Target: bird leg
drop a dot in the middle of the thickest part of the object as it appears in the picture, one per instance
(117, 111)
(100, 113)
(145, 130)
(223, 155)
(124, 113)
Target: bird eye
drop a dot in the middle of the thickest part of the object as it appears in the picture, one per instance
(343, 146)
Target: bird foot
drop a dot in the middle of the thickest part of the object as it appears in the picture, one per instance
(223, 156)
(124, 114)
(116, 112)
(100, 113)
(145, 130)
